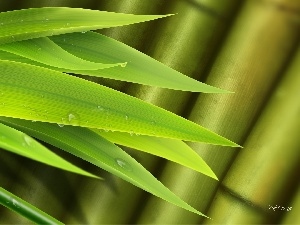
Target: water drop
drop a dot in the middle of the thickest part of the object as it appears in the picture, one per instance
(27, 140)
(122, 163)
(73, 118)
(131, 133)
(60, 125)
(83, 32)
(123, 64)
(126, 117)
(100, 108)
(15, 203)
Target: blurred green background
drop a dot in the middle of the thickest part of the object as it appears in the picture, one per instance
(249, 47)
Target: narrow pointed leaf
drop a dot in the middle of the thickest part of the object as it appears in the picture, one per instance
(43, 50)
(40, 22)
(140, 68)
(99, 48)
(25, 209)
(35, 93)
(174, 150)
(19, 143)
(91, 147)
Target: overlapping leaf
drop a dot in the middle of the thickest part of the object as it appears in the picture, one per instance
(43, 50)
(173, 150)
(108, 53)
(91, 147)
(35, 93)
(31, 92)
(140, 68)
(25, 209)
(19, 143)
(40, 22)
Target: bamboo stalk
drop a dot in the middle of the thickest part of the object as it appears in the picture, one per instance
(249, 64)
(257, 186)
(293, 216)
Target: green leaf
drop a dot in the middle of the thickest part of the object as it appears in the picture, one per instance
(40, 22)
(95, 47)
(173, 150)
(40, 94)
(43, 50)
(140, 68)
(25, 209)
(19, 143)
(91, 147)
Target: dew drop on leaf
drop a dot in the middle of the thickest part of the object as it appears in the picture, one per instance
(123, 64)
(100, 108)
(27, 140)
(15, 203)
(122, 163)
(73, 118)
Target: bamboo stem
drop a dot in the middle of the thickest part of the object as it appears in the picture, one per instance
(251, 60)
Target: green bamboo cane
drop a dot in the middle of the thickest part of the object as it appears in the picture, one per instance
(292, 216)
(257, 186)
(253, 56)
(169, 38)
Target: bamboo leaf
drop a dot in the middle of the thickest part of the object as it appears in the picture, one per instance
(19, 143)
(140, 68)
(35, 93)
(95, 47)
(43, 50)
(91, 147)
(25, 209)
(40, 22)
(173, 150)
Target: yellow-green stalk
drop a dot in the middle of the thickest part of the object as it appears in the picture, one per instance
(251, 60)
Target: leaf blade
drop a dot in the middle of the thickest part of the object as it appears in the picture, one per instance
(173, 150)
(43, 50)
(25, 209)
(40, 22)
(140, 68)
(91, 147)
(35, 93)
(19, 143)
